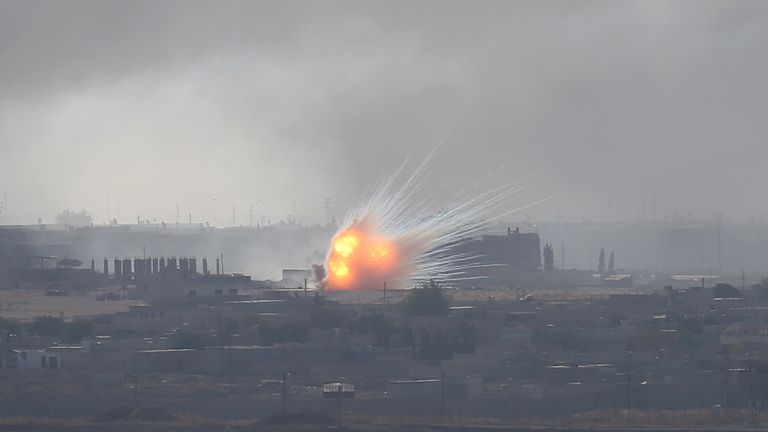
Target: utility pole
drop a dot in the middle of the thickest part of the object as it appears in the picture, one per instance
(727, 390)
(742, 281)
(135, 391)
(562, 255)
(305, 287)
(719, 251)
(338, 412)
(284, 406)
(629, 384)
(442, 395)
(327, 207)
(385, 292)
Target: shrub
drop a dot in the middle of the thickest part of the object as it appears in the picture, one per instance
(426, 300)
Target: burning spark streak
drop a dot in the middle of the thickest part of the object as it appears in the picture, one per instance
(394, 238)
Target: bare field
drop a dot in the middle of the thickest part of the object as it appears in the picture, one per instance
(608, 421)
(551, 294)
(27, 304)
(499, 294)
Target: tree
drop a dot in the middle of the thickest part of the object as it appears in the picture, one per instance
(54, 327)
(549, 258)
(330, 317)
(270, 334)
(693, 326)
(464, 339)
(9, 328)
(74, 218)
(689, 332)
(77, 330)
(762, 289)
(611, 264)
(601, 262)
(434, 346)
(724, 290)
(379, 325)
(47, 325)
(408, 337)
(185, 339)
(428, 299)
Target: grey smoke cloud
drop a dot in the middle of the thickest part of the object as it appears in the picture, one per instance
(215, 105)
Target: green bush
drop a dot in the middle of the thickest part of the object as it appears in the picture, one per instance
(429, 299)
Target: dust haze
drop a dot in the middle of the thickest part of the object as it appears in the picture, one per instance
(276, 106)
(383, 215)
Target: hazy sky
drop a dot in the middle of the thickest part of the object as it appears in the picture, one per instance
(218, 104)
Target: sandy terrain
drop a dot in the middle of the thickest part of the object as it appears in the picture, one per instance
(27, 304)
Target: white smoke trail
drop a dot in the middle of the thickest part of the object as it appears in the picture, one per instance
(425, 240)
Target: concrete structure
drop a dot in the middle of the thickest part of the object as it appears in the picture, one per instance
(293, 278)
(501, 259)
(174, 287)
(30, 359)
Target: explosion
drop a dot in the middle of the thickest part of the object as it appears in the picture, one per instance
(393, 238)
(360, 258)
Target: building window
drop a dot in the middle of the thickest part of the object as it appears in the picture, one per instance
(53, 363)
(192, 293)
(217, 292)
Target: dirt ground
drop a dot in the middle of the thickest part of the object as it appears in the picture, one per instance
(499, 294)
(27, 304)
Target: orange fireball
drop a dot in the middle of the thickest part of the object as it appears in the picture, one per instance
(359, 259)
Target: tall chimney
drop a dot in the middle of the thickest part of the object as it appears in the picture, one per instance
(106, 267)
(218, 269)
(205, 265)
(127, 268)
